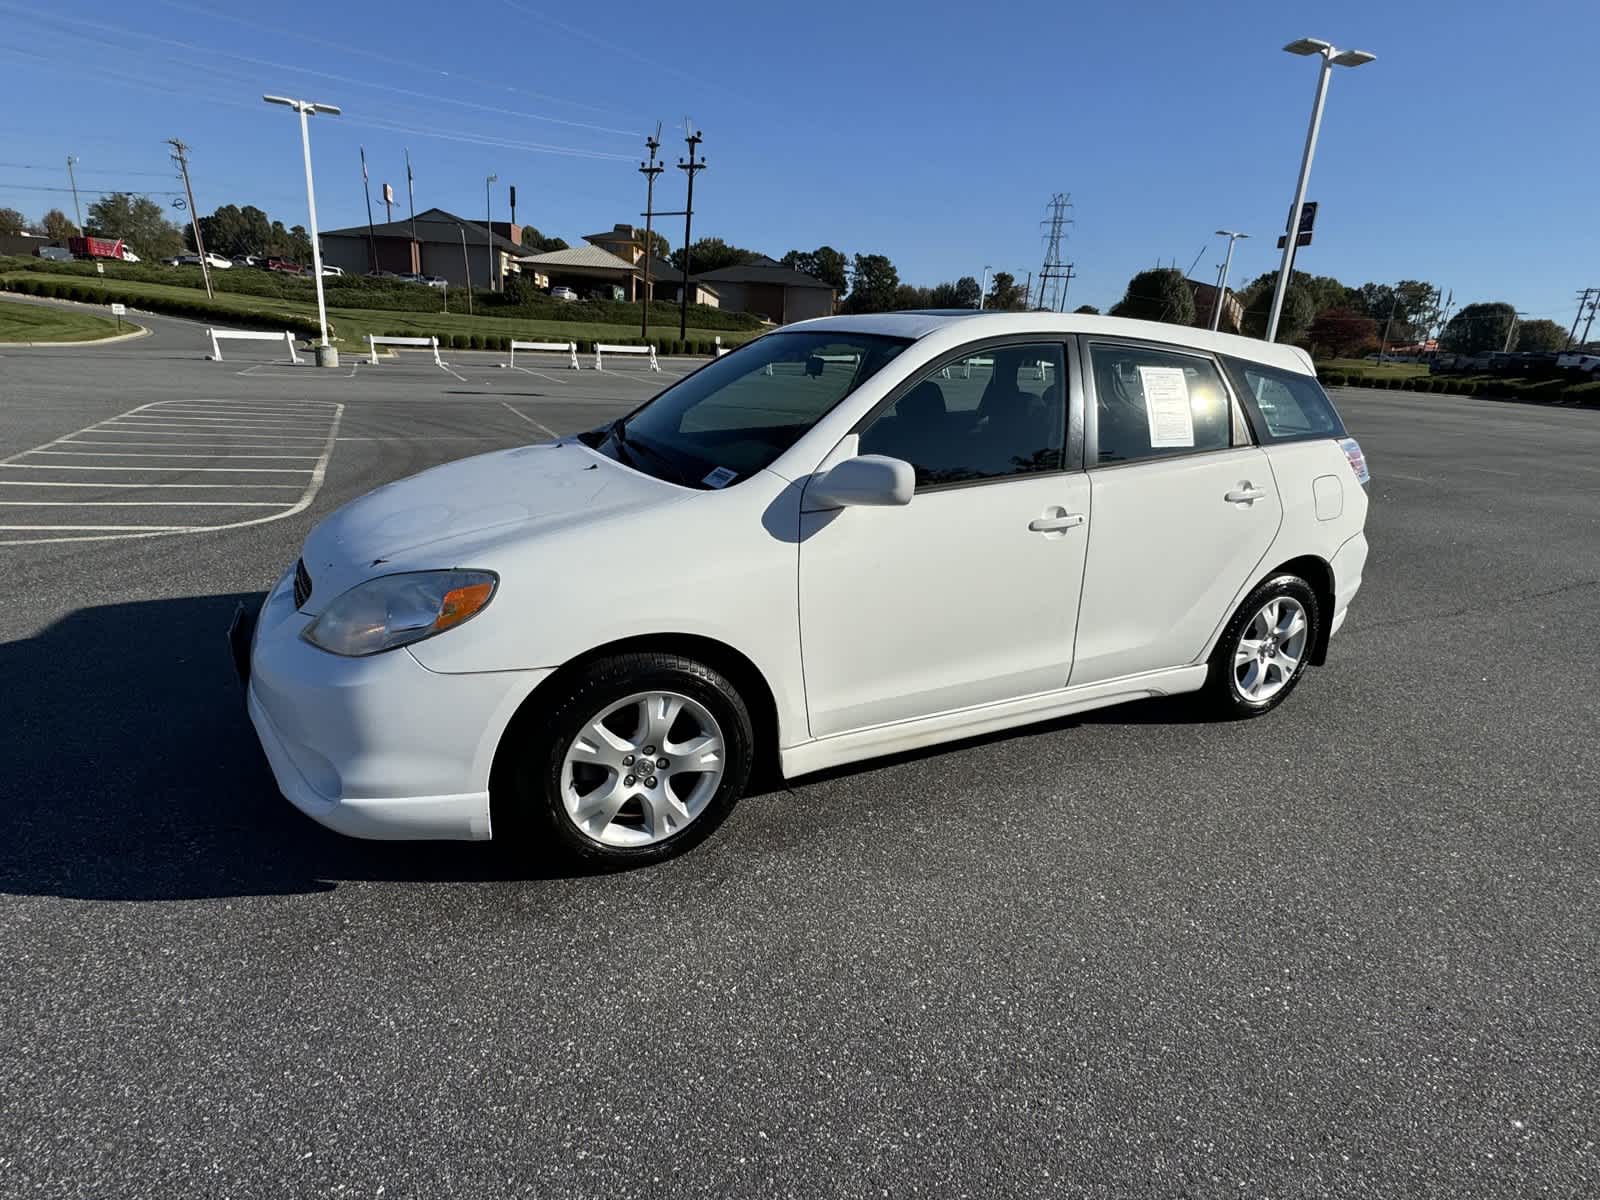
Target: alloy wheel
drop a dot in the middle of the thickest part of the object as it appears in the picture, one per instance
(641, 769)
(1270, 649)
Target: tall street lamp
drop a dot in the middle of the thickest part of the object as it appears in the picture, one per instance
(983, 285)
(488, 226)
(1332, 57)
(326, 355)
(1222, 284)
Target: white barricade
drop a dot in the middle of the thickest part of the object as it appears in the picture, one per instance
(600, 347)
(247, 336)
(374, 341)
(570, 349)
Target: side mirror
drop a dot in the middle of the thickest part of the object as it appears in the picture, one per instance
(867, 479)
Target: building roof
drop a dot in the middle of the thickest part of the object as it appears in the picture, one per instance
(433, 225)
(757, 272)
(952, 327)
(589, 258)
(626, 233)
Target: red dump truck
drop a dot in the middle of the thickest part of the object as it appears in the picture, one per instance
(94, 247)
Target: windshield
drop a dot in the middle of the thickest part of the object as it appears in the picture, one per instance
(734, 416)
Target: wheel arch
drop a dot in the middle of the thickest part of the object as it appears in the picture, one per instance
(739, 669)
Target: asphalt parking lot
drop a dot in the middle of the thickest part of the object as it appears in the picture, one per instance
(1348, 949)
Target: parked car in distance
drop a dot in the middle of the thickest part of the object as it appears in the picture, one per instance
(54, 253)
(284, 266)
(328, 269)
(918, 527)
(248, 260)
(218, 261)
(563, 293)
(436, 281)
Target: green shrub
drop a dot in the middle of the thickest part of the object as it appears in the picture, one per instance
(475, 342)
(1329, 378)
(1583, 393)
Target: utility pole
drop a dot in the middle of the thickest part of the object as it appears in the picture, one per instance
(1054, 269)
(466, 265)
(1511, 331)
(72, 160)
(1594, 303)
(513, 209)
(488, 229)
(411, 198)
(1383, 343)
(180, 155)
(1583, 299)
(649, 170)
(366, 190)
(691, 168)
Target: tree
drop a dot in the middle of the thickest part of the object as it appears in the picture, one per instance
(57, 227)
(1295, 318)
(1087, 308)
(712, 254)
(533, 240)
(1413, 304)
(11, 221)
(1343, 332)
(1541, 335)
(876, 285)
(232, 230)
(1478, 327)
(1160, 294)
(137, 220)
(967, 292)
(824, 263)
(908, 296)
(1005, 295)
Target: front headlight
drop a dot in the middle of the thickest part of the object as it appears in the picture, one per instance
(396, 610)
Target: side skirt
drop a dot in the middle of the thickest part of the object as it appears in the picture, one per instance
(822, 753)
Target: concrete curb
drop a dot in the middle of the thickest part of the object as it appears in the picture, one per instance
(139, 331)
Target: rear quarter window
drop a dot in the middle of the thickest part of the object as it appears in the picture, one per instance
(1285, 406)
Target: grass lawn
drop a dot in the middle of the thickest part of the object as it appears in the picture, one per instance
(1369, 367)
(350, 326)
(46, 323)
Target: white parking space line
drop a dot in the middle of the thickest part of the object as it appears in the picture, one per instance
(541, 375)
(280, 373)
(55, 483)
(541, 428)
(226, 470)
(190, 430)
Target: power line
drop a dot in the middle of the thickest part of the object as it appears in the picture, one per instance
(138, 191)
(93, 171)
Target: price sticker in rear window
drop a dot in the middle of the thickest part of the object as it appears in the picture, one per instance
(720, 478)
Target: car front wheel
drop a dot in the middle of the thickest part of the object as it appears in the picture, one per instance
(1264, 650)
(637, 758)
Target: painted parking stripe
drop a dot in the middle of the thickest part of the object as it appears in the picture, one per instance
(156, 428)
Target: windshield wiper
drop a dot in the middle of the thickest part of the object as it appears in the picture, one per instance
(619, 435)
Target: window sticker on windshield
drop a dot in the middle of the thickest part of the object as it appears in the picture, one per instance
(1166, 405)
(719, 478)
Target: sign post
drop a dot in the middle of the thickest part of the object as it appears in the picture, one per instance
(119, 311)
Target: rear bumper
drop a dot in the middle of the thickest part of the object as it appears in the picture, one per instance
(1348, 564)
(377, 747)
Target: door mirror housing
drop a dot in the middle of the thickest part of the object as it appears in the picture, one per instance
(868, 479)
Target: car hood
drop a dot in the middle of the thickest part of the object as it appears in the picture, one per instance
(430, 519)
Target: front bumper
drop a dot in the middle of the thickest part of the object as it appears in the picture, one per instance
(376, 747)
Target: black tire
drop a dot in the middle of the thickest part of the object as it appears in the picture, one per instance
(1222, 697)
(534, 810)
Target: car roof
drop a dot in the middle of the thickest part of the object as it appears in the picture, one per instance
(956, 325)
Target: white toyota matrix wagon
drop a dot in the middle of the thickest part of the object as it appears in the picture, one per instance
(851, 537)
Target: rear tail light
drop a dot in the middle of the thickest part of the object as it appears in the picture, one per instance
(1356, 459)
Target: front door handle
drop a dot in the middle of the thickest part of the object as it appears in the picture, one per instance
(1245, 493)
(1057, 520)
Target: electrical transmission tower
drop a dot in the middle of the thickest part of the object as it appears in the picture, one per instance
(1055, 275)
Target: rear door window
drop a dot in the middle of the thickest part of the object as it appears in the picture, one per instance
(1284, 406)
(1157, 403)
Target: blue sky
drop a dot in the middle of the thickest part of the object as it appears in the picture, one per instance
(932, 132)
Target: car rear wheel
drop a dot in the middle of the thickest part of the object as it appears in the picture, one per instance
(637, 758)
(1264, 650)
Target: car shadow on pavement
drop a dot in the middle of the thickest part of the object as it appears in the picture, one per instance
(131, 772)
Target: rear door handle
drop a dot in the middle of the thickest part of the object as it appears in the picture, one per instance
(1057, 522)
(1245, 493)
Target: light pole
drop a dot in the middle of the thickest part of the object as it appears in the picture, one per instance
(1332, 57)
(488, 228)
(72, 161)
(326, 355)
(1222, 284)
(983, 285)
